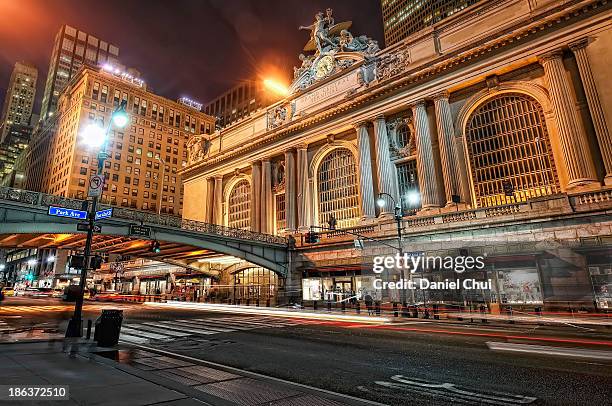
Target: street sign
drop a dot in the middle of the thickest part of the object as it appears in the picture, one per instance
(85, 226)
(70, 213)
(141, 231)
(104, 214)
(96, 183)
(359, 243)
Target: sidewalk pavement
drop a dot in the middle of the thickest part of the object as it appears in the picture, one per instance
(129, 376)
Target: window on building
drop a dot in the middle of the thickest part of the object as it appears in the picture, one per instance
(408, 182)
(279, 210)
(239, 212)
(96, 90)
(338, 189)
(104, 95)
(508, 144)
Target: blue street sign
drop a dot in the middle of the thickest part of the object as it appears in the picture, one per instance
(104, 214)
(64, 212)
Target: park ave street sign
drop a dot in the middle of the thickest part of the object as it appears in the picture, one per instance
(70, 213)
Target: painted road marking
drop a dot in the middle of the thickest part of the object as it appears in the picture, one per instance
(550, 350)
(453, 392)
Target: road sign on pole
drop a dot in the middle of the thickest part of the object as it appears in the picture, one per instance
(141, 231)
(96, 183)
(70, 213)
(104, 214)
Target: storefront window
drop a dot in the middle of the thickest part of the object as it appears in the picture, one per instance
(255, 283)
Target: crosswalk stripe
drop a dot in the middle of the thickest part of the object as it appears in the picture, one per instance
(158, 330)
(258, 324)
(222, 324)
(205, 325)
(145, 334)
(134, 339)
(189, 329)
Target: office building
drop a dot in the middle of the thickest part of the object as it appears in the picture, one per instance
(145, 157)
(19, 98)
(402, 18)
(72, 49)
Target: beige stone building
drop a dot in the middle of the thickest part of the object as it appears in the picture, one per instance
(145, 157)
(491, 130)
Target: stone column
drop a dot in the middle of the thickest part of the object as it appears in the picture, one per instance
(218, 199)
(290, 188)
(210, 200)
(383, 164)
(256, 196)
(597, 114)
(366, 185)
(428, 184)
(303, 195)
(578, 160)
(266, 197)
(448, 152)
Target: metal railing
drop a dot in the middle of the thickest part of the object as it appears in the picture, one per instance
(45, 200)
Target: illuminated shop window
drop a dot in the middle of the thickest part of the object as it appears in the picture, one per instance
(239, 208)
(255, 283)
(338, 188)
(508, 144)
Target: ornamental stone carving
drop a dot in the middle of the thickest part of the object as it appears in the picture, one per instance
(392, 64)
(335, 49)
(198, 148)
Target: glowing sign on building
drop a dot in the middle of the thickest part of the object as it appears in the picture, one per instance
(190, 103)
(115, 71)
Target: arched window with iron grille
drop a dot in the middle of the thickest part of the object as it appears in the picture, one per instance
(238, 206)
(508, 145)
(338, 190)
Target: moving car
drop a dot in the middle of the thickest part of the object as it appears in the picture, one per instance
(8, 291)
(38, 292)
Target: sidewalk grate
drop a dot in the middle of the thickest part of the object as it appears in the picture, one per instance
(247, 391)
(306, 400)
(168, 374)
(205, 374)
(155, 363)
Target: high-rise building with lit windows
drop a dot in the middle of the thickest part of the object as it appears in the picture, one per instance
(404, 17)
(72, 49)
(19, 98)
(145, 157)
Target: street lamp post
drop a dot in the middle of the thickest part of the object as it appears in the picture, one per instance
(161, 184)
(398, 215)
(97, 137)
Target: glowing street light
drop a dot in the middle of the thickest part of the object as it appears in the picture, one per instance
(32, 262)
(413, 198)
(380, 202)
(51, 258)
(276, 87)
(94, 135)
(120, 118)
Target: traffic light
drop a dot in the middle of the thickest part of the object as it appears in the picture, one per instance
(155, 247)
(95, 262)
(76, 262)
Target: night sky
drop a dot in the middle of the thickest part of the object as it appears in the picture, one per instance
(194, 48)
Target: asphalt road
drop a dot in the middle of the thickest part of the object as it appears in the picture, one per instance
(417, 362)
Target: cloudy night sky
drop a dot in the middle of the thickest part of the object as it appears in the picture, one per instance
(195, 48)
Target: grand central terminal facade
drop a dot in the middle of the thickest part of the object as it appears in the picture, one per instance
(487, 133)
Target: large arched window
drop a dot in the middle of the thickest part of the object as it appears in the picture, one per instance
(509, 148)
(255, 283)
(338, 189)
(238, 206)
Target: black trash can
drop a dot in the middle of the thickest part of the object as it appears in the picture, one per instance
(108, 327)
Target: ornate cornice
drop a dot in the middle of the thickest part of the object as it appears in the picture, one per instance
(444, 94)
